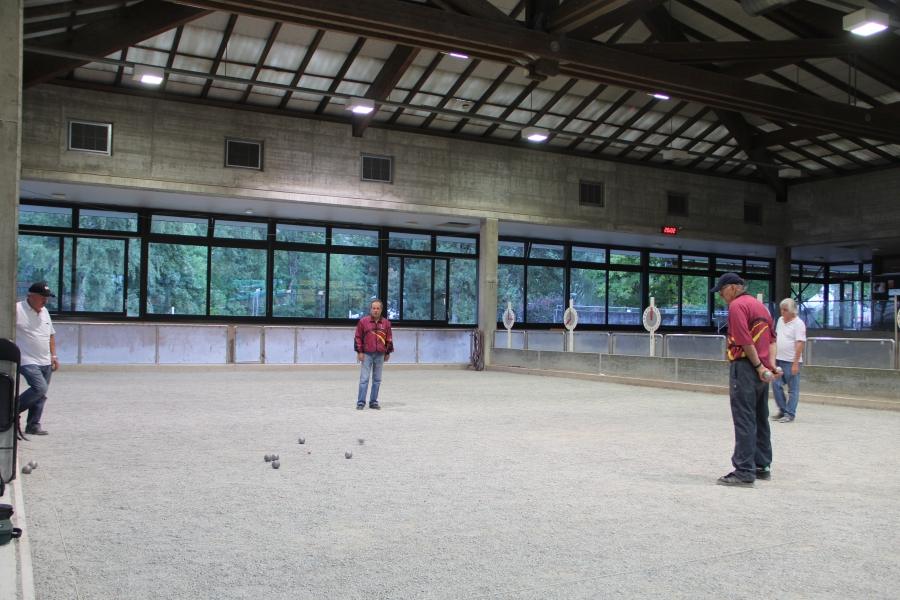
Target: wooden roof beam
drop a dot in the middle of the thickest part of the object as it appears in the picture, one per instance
(385, 82)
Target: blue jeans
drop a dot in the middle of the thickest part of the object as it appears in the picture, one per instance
(372, 362)
(35, 396)
(793, 383)
(750, 412)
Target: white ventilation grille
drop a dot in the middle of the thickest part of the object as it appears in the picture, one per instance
(590, 193)
(376, 168)
(243, 155)
(95, 138)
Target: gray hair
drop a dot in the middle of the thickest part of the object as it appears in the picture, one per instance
(789, 305)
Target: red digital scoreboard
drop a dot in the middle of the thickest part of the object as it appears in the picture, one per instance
(669, 230)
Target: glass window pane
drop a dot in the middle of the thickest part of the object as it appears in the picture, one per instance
(624, 257)
(813, 271)
(842, 271)
(439, 306)
(353, 237)
(239, 230)
(589, 287)
(514, 249)
(694, 262)
(624, 298)
(45, 216)
(795, 270)
(38, 261)
(664, 290)
(867, 269)
(104, 219)
(299, 284)
(393, 287)
(134, 277)
(546, 295)
(352, 285)
(416, 289)
(179, 225)
(511, 289)
(759, 286)
(733, 265)
(593, 255)
(99, 275)
(238, 282)
(810, 298)
(176, 279)
(547, 251)
(455, 245)
(758, 266)
(409, 241)
(463, 287)
(65, 294)
(694, 301)
(664, 260)
(299, 234)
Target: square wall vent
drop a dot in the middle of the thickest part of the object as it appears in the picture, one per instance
(590, 193)
(752, 214)
(243, 155)
(677, 204)
(95, 138)
(376, 168)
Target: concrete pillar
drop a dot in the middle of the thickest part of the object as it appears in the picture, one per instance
(487, 284)
(10, 146)
(782, 273)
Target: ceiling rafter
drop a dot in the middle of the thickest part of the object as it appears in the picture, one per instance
(423, 78)
(137, 23)
(264, 55)
(677, 133)
(714, 147)
(712, 51)
(575, 14)
(451, 92)
(304, 63)
(72, 20)
(542, 112)
(701, 137)
(336, 82)
(495, 85)
(64, 8)
(628, 13)
(173, 52)
(601, 120)
(627, 124)
(816, 158)
(513, 106)
(576, 112)
(387, 79)
(666, 117)
(223, 47)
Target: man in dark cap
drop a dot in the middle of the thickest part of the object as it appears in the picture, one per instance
(751, 352)
(34, 337)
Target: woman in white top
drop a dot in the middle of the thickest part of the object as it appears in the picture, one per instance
(791, 332)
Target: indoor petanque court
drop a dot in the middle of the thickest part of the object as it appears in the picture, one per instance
(466, 485)
(587, 244)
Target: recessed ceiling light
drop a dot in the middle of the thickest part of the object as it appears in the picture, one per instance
(866, 22)
(412, 222)
(249, 211)
(659, 96)
(147, 74)
(457, 55)
(659, 245)
(59, 196)
(535, 134)
(360, 106)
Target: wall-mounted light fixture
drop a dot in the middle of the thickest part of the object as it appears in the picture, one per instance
(535, 134)
(866, 22)
(147, 74)
(360, 106)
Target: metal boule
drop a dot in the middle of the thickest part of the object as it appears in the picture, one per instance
(348, 454)
(27, 468)
(276, 457)
(268, 458)
(302, 440)
(276, 464)
(33, 464)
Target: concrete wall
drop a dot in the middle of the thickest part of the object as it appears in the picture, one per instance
(848, 209)
(171, 146)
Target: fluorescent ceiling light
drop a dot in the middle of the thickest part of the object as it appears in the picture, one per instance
(458, 55)
(866, 22)
(360, 106)
(148, 75)
(660, 96)
(535, 134)
(675, 154)
(789, 173)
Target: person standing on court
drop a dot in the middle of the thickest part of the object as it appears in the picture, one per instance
(751, 350)
(373, 344)
(36, 342)
(791, 332)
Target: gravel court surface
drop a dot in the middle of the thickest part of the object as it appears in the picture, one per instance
(468, 485)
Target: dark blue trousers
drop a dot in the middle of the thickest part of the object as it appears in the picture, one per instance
(750, 413)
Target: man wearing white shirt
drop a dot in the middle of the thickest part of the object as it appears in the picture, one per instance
(791, 332)
(34, 337)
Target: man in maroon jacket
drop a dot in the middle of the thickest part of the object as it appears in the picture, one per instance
(373, 344)
(751, 352)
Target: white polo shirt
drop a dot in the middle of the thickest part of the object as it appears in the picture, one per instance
(33, 331)
(788, 336)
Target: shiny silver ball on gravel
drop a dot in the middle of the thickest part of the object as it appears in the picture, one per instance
(348, 454)
(33, 465)
(276, 464)
(268, 458)
(27, 469)
(302, 440)
(276, 457)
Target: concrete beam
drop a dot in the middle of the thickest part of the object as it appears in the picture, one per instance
(487, 283)
(10, 157)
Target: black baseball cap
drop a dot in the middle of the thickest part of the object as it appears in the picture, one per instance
(727, 279)
(41, 288)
